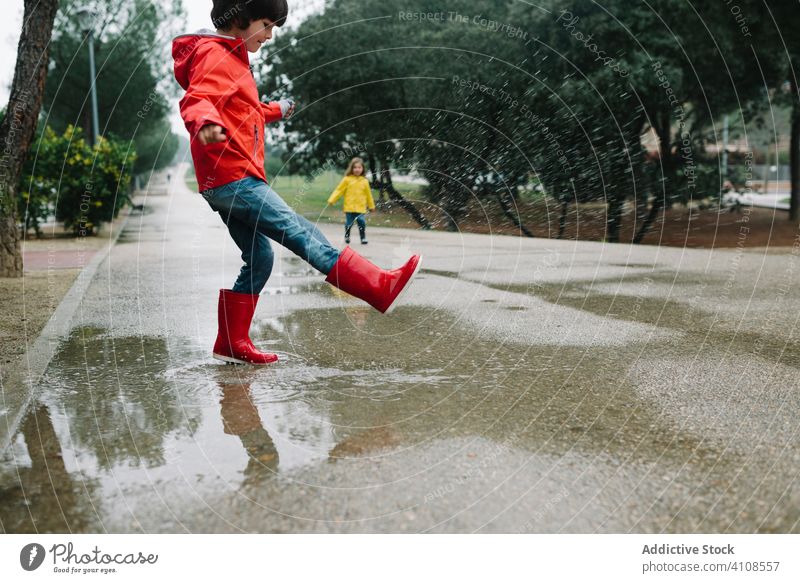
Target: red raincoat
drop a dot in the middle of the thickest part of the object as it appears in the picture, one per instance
(220, 89)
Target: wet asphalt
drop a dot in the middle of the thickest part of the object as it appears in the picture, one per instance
(525, 386)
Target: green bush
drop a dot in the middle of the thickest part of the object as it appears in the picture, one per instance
(82, 185)
(34, 203)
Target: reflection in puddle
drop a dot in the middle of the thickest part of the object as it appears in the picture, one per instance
(240, 417)
(145, 429)
(317, 288)
(365, 442)
(37, 492)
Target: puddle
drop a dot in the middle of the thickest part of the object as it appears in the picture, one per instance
(356, 394)
(38, 491)
(703, 329)
(293, 266)
(293, 289)
(442, 273)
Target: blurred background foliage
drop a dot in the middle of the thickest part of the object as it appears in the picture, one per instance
(498, 102)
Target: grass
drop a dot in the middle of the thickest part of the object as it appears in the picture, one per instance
(678, 227)
(309, 198)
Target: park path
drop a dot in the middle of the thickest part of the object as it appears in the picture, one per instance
(525, 385)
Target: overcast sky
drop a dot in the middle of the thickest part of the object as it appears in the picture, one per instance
(198, 16)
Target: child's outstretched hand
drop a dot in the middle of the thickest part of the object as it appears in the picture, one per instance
(211, 134)
(287, 108)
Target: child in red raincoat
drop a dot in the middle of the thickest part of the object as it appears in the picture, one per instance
(225, 119)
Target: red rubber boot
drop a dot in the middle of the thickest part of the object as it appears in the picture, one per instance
(234, 314)
(380, 288)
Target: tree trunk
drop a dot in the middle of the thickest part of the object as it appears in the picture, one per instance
(375, 181)
(19, 125)
(450, 217)
(562, 220)
(794, 157)
(503, 194)
(387, 186)
(510, 212)
(665, 156)
(658, 203)
(614, 219)
(641, 206)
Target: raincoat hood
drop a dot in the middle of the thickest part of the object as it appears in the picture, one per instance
(214, 70)
(185, 47)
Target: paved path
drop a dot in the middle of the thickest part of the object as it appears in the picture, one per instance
(525, 385)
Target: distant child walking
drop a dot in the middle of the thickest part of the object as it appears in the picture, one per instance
(357, 199)
(225, 120)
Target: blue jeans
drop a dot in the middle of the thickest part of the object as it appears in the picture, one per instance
(357, 217)
(254, 214)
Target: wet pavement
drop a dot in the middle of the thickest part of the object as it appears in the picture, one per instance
(525, 385)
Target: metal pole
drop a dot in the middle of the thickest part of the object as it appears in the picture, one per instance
(95, 118)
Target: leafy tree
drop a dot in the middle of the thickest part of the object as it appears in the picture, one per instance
(133, 75)
(488, 97)
(459, 98)
(684, 65)
(84, 185)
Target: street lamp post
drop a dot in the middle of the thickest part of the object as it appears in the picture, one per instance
(86, 19)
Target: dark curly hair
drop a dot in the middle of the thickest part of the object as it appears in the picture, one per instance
(240, 13)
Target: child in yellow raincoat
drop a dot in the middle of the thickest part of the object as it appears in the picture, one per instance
(357, 198)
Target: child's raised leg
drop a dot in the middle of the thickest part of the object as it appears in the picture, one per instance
(253, 203)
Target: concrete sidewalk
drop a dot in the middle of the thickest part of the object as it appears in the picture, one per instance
(525, 385)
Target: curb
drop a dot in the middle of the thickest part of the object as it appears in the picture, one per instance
(19, 388)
